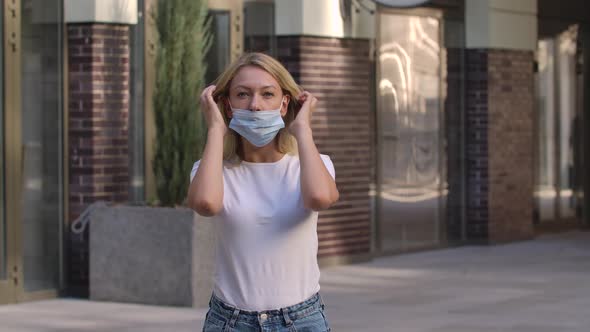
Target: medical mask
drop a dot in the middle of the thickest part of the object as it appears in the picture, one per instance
(258, 127)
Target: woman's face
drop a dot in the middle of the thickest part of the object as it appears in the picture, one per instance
(253, 88)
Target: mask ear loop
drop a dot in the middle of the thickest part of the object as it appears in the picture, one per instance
(230, 106)
(226, 99)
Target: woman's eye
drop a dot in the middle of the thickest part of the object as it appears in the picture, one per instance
(269, 94)
(242, 94)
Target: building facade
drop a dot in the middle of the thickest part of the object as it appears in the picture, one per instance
(449, 121)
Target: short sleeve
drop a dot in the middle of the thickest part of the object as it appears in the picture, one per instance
(194, 171)
(329, 165)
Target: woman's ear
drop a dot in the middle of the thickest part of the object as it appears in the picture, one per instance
(285, 105)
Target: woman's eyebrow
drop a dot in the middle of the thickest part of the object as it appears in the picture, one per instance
(241, 87)
(248, 88)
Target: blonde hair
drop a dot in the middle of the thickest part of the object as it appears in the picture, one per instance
(232, 149)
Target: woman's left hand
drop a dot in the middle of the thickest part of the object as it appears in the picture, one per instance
(302, 121)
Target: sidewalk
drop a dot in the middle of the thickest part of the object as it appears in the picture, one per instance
(541, 286)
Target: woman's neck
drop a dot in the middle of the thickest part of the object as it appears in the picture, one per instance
(266, 154)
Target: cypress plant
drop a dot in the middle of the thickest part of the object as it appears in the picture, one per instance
(183, 41)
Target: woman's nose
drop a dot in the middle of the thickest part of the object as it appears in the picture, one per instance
(254, 103)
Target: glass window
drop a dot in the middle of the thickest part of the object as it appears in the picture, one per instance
(259, 27)
(42, 143)
(219, 54)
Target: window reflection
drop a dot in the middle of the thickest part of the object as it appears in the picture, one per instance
(409, 112)
(558, 171)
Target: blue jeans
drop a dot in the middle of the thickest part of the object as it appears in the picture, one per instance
(307, 316)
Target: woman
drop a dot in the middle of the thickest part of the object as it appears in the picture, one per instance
(262, 180)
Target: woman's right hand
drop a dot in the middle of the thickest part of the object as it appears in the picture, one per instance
(212, 113)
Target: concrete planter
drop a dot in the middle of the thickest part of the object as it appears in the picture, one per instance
(158, 256)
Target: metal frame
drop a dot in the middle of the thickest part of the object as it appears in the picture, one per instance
(149, 77)
(585, 34)
(65, 169)
(2, 158)
(441, 241)
(536, 132)
(236, 9)
(12, 289)
(373, 186)
(136, 108)
(557, 130)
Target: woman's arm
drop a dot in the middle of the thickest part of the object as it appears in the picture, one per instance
(205, 193)
(317, 185)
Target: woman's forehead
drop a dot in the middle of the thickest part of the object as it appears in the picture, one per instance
(254, 78)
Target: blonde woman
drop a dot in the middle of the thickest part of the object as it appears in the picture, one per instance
(263, 181)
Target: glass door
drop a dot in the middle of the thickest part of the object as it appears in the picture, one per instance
(410, 142)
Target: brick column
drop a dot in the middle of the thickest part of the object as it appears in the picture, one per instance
(499, 145)
(455, 135)
(476, 151)
(338, 72)
(98, 106)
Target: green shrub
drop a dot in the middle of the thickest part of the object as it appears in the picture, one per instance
(183, 42)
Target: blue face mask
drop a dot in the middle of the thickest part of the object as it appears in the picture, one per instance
(258, 127)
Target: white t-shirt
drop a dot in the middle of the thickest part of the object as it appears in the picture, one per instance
(266, 254)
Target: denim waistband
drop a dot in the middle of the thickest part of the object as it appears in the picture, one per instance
(286, 314)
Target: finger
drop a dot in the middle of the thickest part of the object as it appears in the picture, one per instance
(314, 101)
(304, 97)
(210, 94)
(204, 94)
(303, 94)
